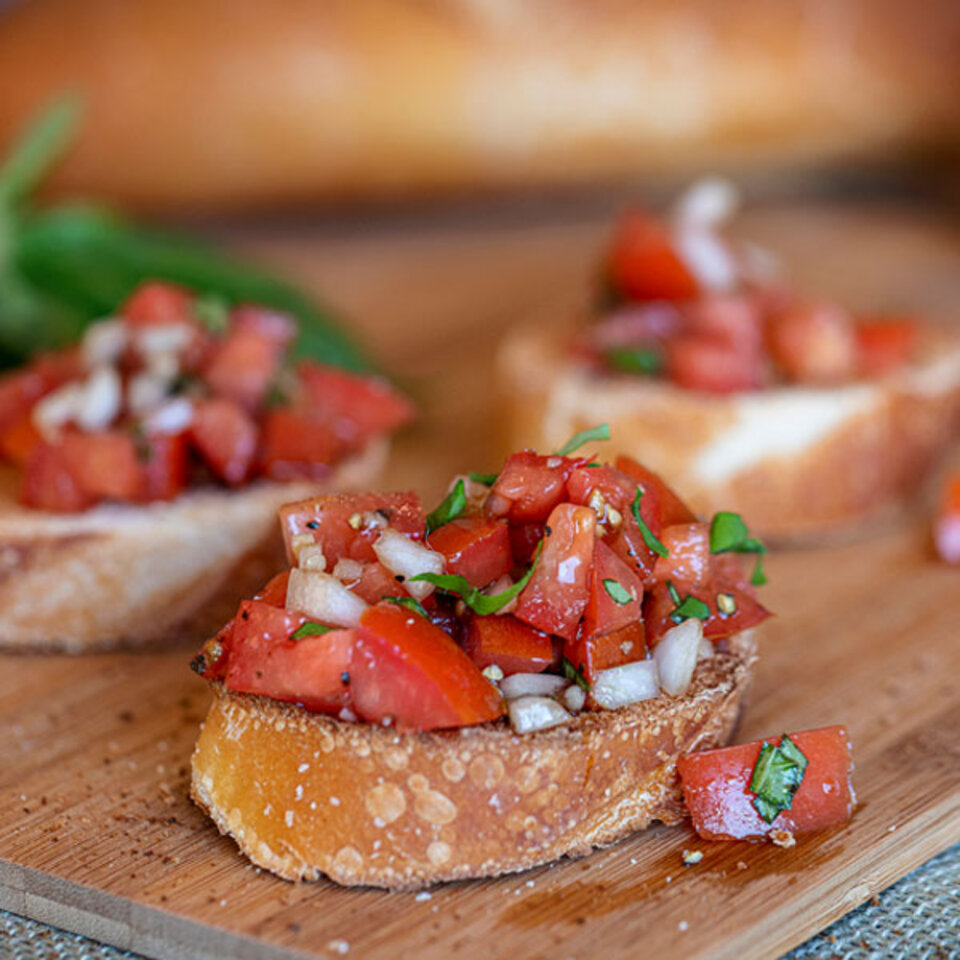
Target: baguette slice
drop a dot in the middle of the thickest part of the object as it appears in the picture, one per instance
(796, 462)
(305, 795)
(135, 575)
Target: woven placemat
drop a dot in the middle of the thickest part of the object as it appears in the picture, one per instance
(919, 917)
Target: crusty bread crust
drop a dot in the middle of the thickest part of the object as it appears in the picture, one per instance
(798, 463)
(306, 795)
(133, 576)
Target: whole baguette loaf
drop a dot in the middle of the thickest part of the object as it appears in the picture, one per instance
(796, 462)
(135, 575)
(306, 795)
(207, 105)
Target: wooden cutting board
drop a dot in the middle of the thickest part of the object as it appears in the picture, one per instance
(97, 834)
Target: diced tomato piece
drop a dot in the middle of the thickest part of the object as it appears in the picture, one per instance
(670, 508)
(21, 389)
(615, 489)
(591, 654)
(298, 446)
(689, 553)
(524, 539)
(557, 593)
(733, 319)
(476, 547)
(946, 530)
(884, 344)
(376, 582)
(270, 326)
(713, 365)
(658, 607)
(643, 263)
(504, 641)
(328, 520)
(274, 591)
(263, 659)
(529, 486)
(157, 304)
(628, 544)
(357, 407)
(409, 672)
(105, 465)
(243, 364)
(616, 594)
(813, 343)
(225, 437)
(48, 484)
(19, 439)
(716, 787)
(164, 464)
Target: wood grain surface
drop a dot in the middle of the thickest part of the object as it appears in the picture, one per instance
(97, 834)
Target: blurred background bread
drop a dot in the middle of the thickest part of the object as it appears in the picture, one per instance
(222, 105)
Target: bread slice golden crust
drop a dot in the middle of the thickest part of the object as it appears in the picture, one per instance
(306, 795)
(797, 462)
(138, 575)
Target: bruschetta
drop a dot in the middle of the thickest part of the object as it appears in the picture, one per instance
(804, 418)
(504, 681)
(144, 467)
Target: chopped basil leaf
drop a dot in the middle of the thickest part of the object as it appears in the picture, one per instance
(410, 604)
(758, 578)
(776, 777)
(479, 602)
(487, 479)
(728, 533)
(574, 675)
(689, 608)
(452, 505)
(213, 312)
(648, 538)
(617, 592)
(310, 629)
(592, 435)
(642, 360)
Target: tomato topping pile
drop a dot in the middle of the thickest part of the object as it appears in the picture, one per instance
(791, 784)
(692, 306)
(178, 390)
(555, 566)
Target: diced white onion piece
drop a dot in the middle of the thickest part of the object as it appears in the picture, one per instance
(172, 417)
(676, 656)
(708, 257)
(57, 408)
(310, 557)
(346, 569)
(170, 338)
(144, 392)
(574, 698)
(709, 202)
(406, 558)
(102, 398)
(704, 649)
(299, 541)
(323, 597)
(536, 713)
(104, 342)
(630, 683)
(532, 685)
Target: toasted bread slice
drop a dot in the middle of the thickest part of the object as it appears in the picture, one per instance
(796, 462)
(306, 795)
(134, 575)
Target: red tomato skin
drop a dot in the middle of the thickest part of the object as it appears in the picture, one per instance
(884, 344)
(716, 787)
(297, 446)
(104, 465)
(19, 439)
(274, 591)
(643, 263)
(21, 389)
(524, 540)
(47, 483)
(712, 365)
(529, 486)
(157, 303)
(617, 489)
(504, 641)
(376, 582)
(409, 672)
(476, 547)
(357, 407)
(555, 597)
(813, 343)
(264, 660)
(164, 464)
(225, 436)
(671, 508)
(628, 544)
(689, 558)
(327, 518)
(603, 651)
(602, 613)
